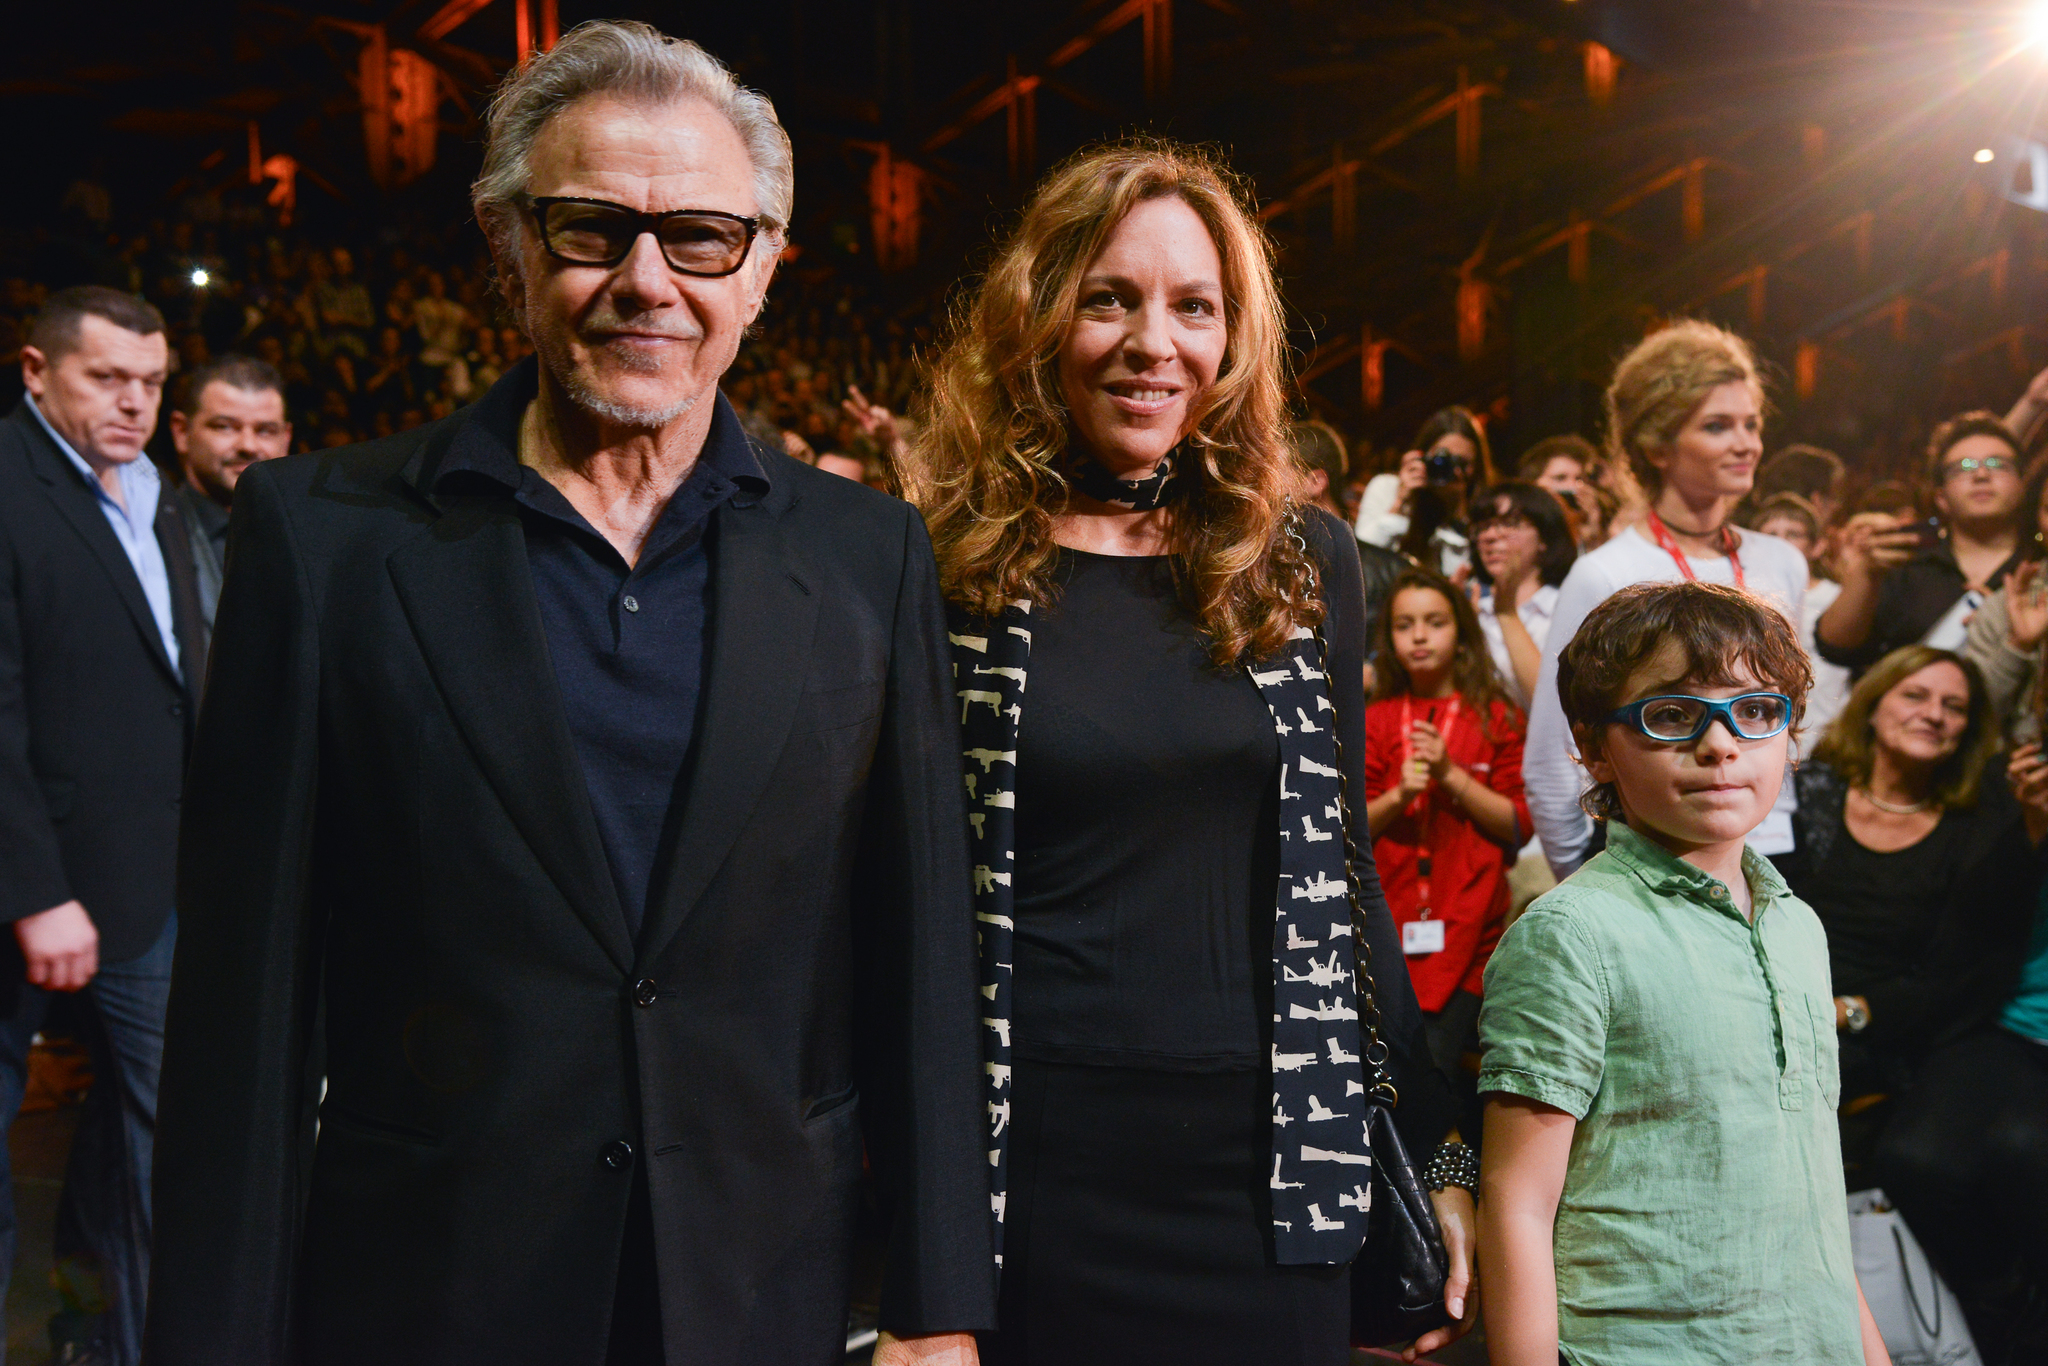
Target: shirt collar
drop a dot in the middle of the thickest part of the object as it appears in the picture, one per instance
(139, 471)
(487, 443)
(1666, 874)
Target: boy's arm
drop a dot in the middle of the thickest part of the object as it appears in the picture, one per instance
(1874, 1351)
(1521, 1179)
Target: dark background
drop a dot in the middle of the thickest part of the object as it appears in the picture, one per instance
(1837, 216)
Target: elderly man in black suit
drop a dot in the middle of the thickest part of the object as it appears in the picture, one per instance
(594, 772)
(100, 654)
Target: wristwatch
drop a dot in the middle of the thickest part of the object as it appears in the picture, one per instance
(1855, 1015)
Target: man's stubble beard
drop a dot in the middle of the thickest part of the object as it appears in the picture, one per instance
(551, 347)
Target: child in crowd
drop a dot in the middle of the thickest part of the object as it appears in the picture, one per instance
(1662, 1173)
(1443, 786)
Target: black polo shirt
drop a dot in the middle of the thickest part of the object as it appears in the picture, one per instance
(628, 642)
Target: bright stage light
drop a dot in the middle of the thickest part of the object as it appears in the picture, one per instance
(200, 278)
(1983, 155)
(2034, 25)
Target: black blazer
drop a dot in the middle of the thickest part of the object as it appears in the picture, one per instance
(386, 811)
(94, 717)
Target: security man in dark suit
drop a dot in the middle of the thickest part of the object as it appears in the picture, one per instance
(101, 654)
(595, 771)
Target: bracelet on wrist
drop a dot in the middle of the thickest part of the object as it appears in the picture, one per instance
(1453, 1164)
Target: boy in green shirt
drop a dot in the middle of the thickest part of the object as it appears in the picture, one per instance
(1662, 1179)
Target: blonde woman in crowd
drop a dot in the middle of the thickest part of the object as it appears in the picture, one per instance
(1685, 416)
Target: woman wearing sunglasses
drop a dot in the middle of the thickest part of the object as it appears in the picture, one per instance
(1916, 858)
(1909, 583)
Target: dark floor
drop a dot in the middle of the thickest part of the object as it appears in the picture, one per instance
(36, 1145)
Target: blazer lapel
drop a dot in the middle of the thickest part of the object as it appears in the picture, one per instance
(763, 610)
(79, 506)
(468, 592)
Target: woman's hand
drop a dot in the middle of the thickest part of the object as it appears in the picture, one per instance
(1426, 747)
(2026, 607)
(1414, 780)
(1459, 1219)
(1413, 472)
(2027, 774)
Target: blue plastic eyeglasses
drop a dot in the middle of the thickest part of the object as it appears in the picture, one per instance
(1677, 719)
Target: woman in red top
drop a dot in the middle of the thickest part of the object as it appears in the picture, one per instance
(1443, 785)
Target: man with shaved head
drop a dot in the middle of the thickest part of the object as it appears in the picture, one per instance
(594, 770)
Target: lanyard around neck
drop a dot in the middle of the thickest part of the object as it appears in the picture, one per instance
(1730, 543)
(1424, 807)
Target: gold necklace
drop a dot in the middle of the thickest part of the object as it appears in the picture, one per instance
(1896, 810)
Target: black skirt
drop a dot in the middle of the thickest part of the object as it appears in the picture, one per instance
(1138, 1228)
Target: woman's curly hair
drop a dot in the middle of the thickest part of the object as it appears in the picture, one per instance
(986, 466)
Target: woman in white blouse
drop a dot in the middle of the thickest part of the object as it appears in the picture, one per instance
(1523, 549)
(1685, 415)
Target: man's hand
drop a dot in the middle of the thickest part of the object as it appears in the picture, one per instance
(1874, 543)
(936, 1349)
(1459, 1219)
(2026, 607)
(61, 946)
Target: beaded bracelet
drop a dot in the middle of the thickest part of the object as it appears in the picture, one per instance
(1452, 1165)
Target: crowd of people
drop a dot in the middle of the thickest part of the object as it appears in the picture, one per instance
(1912, 824)
(654, 777)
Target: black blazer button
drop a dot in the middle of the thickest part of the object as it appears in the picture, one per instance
(177, 708)
(618, 1154)
(645, 992)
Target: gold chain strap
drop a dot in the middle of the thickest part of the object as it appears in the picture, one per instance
(1375, 1050)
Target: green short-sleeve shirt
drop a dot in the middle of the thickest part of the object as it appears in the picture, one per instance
(1703, 1215)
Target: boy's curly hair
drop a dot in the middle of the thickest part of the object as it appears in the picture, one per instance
(1720, 629)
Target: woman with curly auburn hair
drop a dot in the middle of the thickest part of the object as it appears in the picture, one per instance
(1178, 1075)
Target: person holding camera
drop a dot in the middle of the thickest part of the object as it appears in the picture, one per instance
(1420, 510)
(1919, 583)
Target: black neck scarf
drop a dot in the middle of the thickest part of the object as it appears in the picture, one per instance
(1139, 495)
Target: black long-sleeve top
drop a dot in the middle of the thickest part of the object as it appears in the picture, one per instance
(1148, 835)
(1931, 936)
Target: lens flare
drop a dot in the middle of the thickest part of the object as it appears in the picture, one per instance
(200, 278)
(1983, 155)
(2034, 25)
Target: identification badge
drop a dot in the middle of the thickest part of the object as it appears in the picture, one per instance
(1422, 936)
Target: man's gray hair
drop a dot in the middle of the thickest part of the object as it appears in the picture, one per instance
(640, 64)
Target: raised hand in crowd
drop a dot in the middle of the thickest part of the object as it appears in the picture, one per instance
(2026, 606)
(2027, 772)
(875, 421)
(1872, 544)
(2031, 407)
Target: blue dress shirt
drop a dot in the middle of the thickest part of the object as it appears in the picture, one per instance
(628, 642)
(134, 525)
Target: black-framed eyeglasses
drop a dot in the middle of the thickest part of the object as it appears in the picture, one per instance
(1970, 464)
(1676, 718)
(596, 232)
